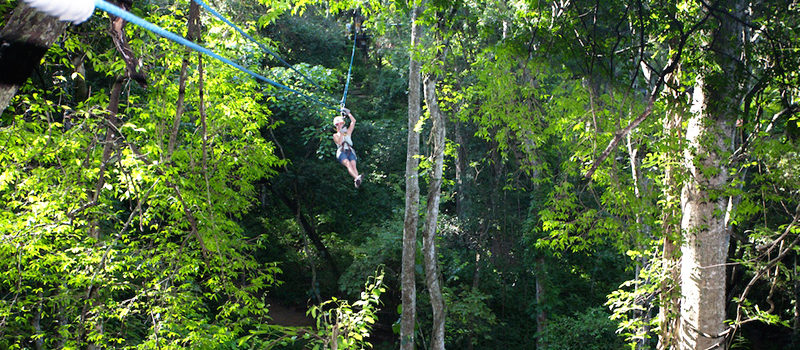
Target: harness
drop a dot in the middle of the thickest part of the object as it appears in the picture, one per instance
(347, 143)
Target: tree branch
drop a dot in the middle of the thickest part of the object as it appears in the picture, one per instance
(194, 13)
(117, 31)
(781, 254)
(192, 221)
(671, 65)
(24, 40)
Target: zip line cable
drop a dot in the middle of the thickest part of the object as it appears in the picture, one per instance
(78, 11)
(262, 46)
(116, 11)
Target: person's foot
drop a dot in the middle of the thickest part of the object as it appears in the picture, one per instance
(357, 181)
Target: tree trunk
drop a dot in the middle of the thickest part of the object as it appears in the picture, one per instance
(62, 316)
(294, 206)
(108, 149)
(192, 34)
(94, 225)
(124, 48)
(462, 201)
(25, 39)
(705, 246)
(706, 237)
(409, 289)
(81, 88)
(431, 217)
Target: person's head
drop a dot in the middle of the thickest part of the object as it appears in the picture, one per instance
(338, 122)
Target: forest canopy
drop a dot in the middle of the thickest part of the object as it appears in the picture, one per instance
(534, 174)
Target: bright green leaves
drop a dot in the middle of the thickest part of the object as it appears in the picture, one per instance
(570, 225)
(588, 329)
(627, 303)
(343, 323)
(690, 8)
(349, 324)
(469, 316)
(98, 231)
(275, 8)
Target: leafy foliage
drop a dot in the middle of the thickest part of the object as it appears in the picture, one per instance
(349, 325)
(112, 239)
(586, 330)
(109, 236)
(339, 324)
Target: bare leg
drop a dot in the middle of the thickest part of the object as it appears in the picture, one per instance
(351, 168)
(357, 181)
(353, 165)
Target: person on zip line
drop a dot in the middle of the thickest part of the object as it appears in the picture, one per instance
(345, 153)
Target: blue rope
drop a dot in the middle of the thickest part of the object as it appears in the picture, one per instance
(116, 11)
(347, 84)
(262, 46)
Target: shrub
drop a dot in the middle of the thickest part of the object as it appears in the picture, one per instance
(590, 330)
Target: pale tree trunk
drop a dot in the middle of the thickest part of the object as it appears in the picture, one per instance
(407, 278)
(432, 214)
(706, 237)
(706, 240)
(460, 168)
(25, 38)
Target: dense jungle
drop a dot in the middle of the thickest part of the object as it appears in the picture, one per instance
(529, 174)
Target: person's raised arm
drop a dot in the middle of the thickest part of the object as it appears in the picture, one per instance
(352, 121)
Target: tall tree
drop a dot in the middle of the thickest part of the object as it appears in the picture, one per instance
(432, 279)
(25, 38)
(408, 283)
(709, 134)
(91, 200)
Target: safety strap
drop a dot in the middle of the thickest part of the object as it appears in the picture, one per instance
(349, 69)
(262, 46)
